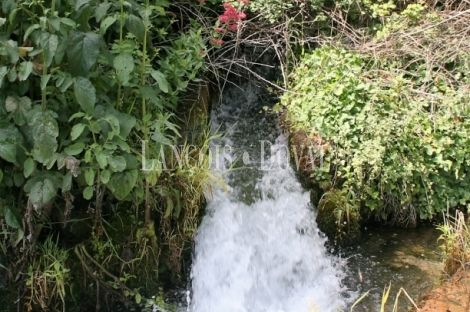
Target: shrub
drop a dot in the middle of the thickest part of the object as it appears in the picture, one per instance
(398, 141)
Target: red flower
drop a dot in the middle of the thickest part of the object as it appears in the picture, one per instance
(202, 52)
(233, 27)
(231, 14)
(217, 41)
(223, 19)
(220, 30)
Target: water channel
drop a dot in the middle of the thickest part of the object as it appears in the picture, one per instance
(258, 248)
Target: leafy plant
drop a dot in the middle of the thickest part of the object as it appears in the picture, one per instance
(84, 87)
(401, 153)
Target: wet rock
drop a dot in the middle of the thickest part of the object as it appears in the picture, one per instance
(430, 268)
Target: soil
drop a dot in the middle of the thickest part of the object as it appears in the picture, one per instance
(451, 296)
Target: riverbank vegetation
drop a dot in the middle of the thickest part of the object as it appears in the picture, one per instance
(386, 101)
(95, 200)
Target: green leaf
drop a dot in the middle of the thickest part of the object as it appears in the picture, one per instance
(1, 175)
(169, 207)
(122, 183)
(2, 21)
(49, 43)
(41, 193)
(76, 131)
(161, 80)
(148, 92)
(45, 81)
(85, 94)
(13, 219)
(105, 176)
(19, 107)
(67, 182)
(124, 65)
(122, 144)
(28, 167)
(74, 149)
(108, 21)
(17, 237)
(138, 298)
(11, 141)
(76, 115)
(90, 176)
(12, 50)
(81, 3)
(68, 81)
(135, 26)
(125, 124)
(101, 11)
(117, 163)
(102, 159)
(24, 70)
(8, 6)
(60, 52)
(67, 21)
(3, 73)
(30, 30)
(88, 193)
(82, 52)
(55, 23)
(54, 176)
(114, 123)
(87, 156)
(45, 132)
(12, 74)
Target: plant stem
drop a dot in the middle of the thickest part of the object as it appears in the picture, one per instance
(121, 23)
(145, 125)
(43, 91)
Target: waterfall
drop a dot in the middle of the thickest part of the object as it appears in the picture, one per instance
(258, 248)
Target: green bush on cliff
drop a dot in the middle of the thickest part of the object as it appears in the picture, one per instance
(397, 134)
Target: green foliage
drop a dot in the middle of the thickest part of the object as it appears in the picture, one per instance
(82, 85)
(400, 152)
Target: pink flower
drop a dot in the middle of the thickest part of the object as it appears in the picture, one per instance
(244, 1)
(231, 14)
(217, 41)
(202, 1)
(220, 30)
(233, 27)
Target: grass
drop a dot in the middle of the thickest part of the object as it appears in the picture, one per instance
(456, 243)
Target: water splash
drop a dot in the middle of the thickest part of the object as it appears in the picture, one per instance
(258, 248)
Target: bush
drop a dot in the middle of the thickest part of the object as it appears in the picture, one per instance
(398, 141)
(83, 85)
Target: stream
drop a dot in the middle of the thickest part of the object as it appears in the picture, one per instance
(258, 248)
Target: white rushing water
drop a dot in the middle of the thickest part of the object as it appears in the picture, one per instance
(264, 253)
